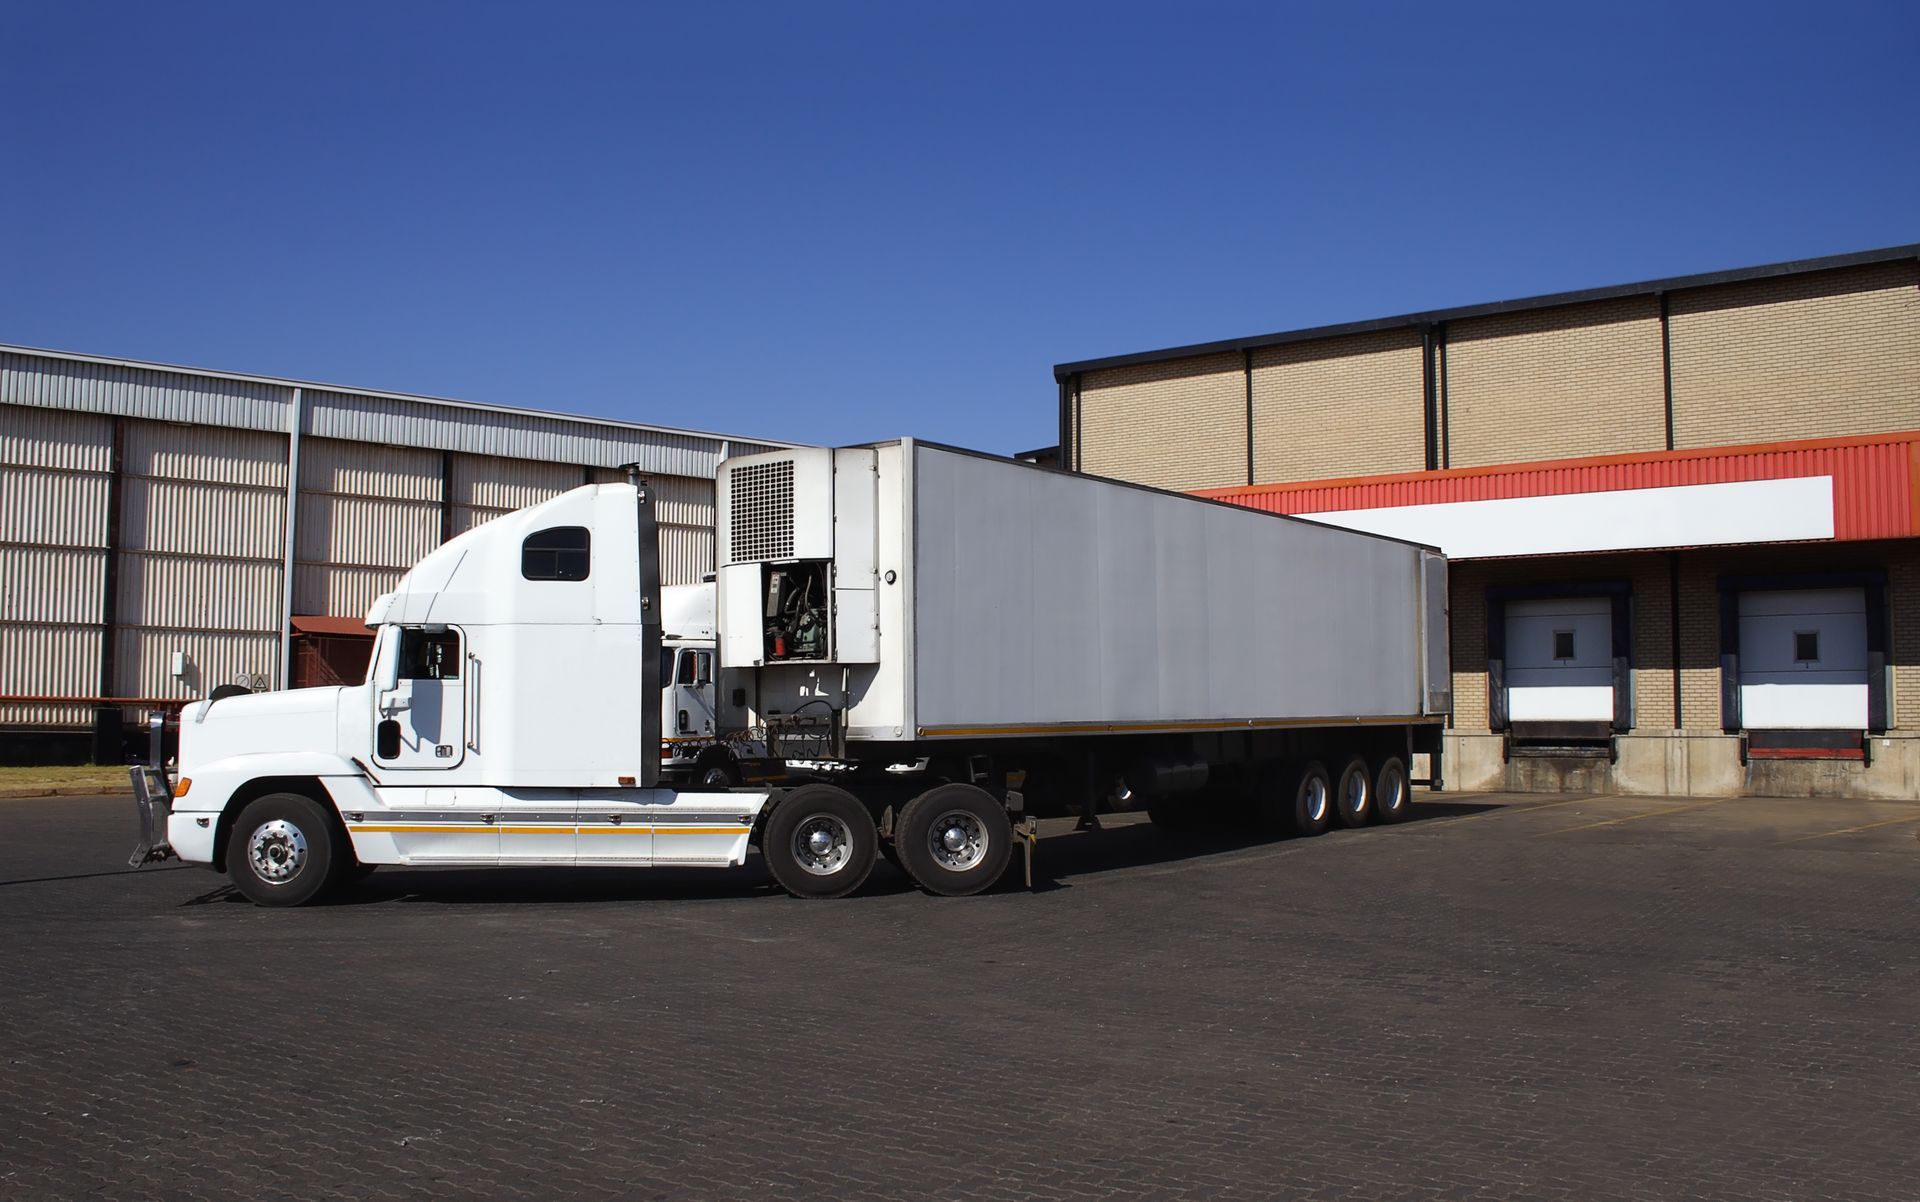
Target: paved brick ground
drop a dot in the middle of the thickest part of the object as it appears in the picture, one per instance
(1511, 998)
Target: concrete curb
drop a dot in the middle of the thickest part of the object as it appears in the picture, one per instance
(62, 791)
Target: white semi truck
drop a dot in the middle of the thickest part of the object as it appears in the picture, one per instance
(945, 644)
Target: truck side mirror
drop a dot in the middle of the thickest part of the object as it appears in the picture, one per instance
(388, 650)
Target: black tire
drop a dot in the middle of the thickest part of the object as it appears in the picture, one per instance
(1353, 793)
(851, 844)
(1312, 799)
(1392, 791)
(297, 837)
(954, 840)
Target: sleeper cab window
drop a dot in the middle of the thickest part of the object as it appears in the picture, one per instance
(558, 553)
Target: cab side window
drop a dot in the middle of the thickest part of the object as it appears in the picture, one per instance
(429, 656)
(559, 553)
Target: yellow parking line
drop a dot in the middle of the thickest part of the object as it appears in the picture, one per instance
(1698, 805)
(1848, 830)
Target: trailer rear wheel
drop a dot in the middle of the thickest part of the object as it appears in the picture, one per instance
(954, 840)
(1353, 793)
(1392, 792)
(819, 842)
(285, 850)
(1312, 799)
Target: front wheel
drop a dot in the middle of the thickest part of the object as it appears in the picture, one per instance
(954, 840)
(285, 850)
(819, 842)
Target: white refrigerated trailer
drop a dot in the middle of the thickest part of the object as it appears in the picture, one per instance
(942, 645)
(1048, 642)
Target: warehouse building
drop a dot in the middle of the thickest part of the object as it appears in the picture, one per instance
(166, 530)
(1685, 514)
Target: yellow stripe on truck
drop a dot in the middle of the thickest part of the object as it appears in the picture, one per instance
(476, 828)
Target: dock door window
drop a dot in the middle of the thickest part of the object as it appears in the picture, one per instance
(561, 553)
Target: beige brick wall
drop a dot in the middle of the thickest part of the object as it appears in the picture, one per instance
(1653, 649)
(1341, 407)
(1467, 585)
(1903, 606)
(1555, 383)
(1179, 425)
(1700, 643)
(1820, 355)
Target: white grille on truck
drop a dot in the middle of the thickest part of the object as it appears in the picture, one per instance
(761, 497)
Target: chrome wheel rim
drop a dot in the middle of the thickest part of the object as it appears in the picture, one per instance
(277, 851)
(822, 844)
(1315, 792)
(957, 840)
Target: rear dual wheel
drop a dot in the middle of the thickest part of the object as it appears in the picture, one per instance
(1312, 808)
(1353, 793)
(820, 842)
(954, 840)
(1392, 791)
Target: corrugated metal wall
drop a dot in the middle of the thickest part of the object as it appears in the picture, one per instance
(686, 516)
(367, 513)
(202, 528)
(484, 488)
(54, 474)
(201, 503)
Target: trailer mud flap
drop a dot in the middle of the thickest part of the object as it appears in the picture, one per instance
(155, 802)
(1027, 833)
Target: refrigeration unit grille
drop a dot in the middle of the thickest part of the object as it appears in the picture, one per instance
(761, 497)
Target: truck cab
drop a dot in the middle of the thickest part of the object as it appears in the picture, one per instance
(704, 738)
(511, 715)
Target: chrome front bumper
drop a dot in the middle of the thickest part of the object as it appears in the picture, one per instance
(154, 798)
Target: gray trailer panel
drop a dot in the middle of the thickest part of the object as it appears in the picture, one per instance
(1043, 599)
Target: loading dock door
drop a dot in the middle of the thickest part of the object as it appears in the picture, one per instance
(1559, 658)
(1803, 659)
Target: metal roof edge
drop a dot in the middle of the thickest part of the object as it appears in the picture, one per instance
(1549, 300)
(384, 395)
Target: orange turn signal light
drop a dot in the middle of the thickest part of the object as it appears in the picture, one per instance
(627, 781)
(180, 790)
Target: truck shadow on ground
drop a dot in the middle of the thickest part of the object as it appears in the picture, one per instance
(1060, 859)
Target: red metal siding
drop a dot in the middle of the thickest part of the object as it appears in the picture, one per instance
(1874, 481)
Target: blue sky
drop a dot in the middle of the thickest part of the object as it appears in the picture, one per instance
(836, 223)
